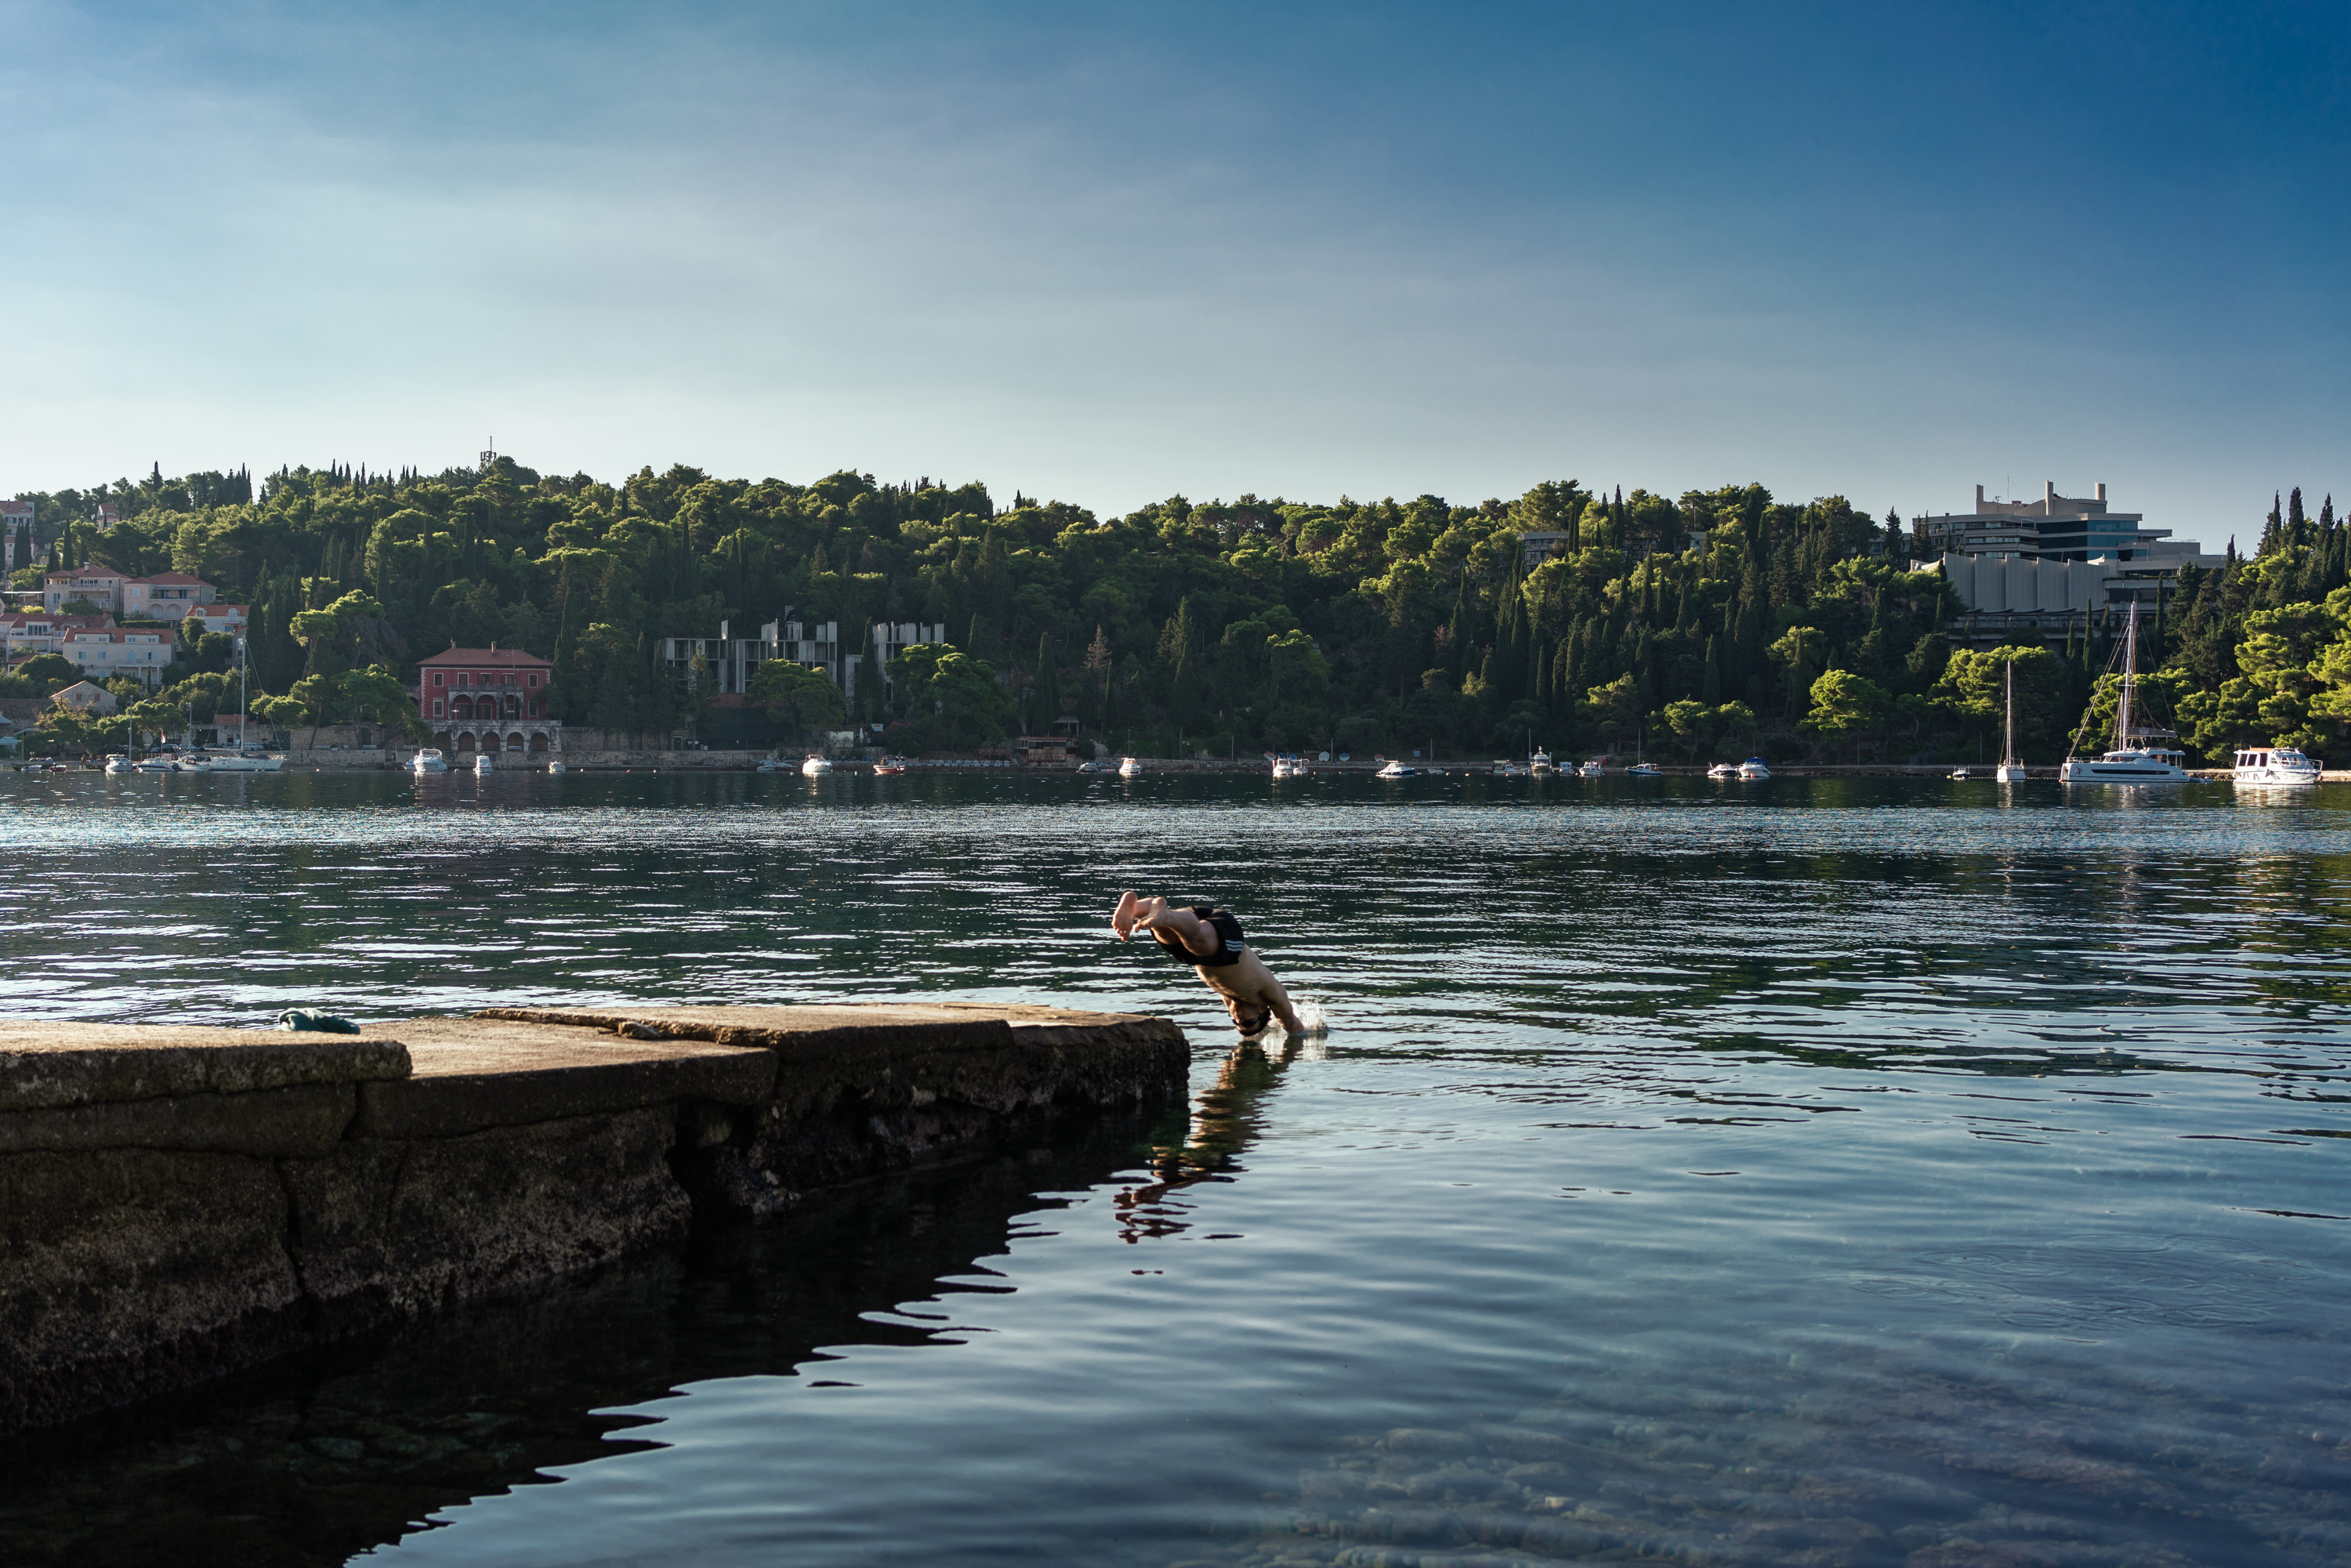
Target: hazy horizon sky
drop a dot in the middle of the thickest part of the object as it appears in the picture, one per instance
(1107, 254)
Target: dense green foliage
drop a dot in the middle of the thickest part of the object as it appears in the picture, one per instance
(1716, 621)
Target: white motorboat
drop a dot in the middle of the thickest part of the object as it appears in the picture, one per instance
(2263, 766)
(2131, 760)
(1506, 768)
(1542, 767)
(1128, 767)
(1593, 768)
(429, 760)
(813, 766)
(1723, 770)
(155, 765)
(1397, 771)
(772, 765)
(1959, 773)
(554, 767)
(484, 763)
(1288, 768)
(1755, 767)
(1645, 770)
(118, 764)
(890, 767)
(2010, 770)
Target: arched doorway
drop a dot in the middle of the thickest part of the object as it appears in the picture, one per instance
(461, 707)
(441, 740)
(465, 740)
(515, 742)
(538, 741)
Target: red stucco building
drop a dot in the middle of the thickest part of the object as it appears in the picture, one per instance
(488, 699)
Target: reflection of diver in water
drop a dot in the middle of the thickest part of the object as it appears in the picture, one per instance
(1210, 941)
(1227, 1123)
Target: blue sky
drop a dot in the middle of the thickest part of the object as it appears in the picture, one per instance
(1113, 253)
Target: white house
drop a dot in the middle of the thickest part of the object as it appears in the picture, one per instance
(102, 653)
(166, 596)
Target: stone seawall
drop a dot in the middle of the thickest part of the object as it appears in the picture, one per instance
(176, 1203)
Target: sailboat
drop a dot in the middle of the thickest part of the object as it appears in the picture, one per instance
(2130, 761)
(2010, 770)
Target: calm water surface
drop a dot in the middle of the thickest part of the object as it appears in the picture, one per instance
(1870, 1172)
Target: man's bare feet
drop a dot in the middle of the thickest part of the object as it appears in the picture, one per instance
(1121, 919)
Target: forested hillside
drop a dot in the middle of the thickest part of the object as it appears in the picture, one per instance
(1699, 626)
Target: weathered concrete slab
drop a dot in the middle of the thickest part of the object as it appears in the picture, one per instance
(45, 1065)
(468, 1074)
(126, 1272)
(384, 1229)
(178, 1202)
(303, 1119)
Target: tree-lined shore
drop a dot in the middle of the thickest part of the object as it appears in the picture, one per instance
(1703, 624)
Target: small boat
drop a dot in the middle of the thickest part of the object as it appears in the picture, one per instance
(1098, 765)
(1959, 773)
(155, 765)
(1723, 770)
(1542, 766)
(2132, 761)
(1755, 767)
(244, 761)
(1128, 767)
(484, 763)
(2265, 767)
(429, 760)
(1506, 768)
(1645, 770)
(1591, 769)
(118, 764)
(890, 767)
(1288, 768)
(554, 767)
(772, 765)
(2011, 769)
(1397, 771)
(813, 765)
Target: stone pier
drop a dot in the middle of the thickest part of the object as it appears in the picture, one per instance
(176, 1203)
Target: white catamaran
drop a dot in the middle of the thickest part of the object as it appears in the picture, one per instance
(2131, 761)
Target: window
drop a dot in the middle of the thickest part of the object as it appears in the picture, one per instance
(534, 680)
(436, 681)
(436, 708)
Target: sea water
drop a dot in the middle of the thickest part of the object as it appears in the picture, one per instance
(1805, 1172)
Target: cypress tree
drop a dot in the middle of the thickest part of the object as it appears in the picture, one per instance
(1710, 693)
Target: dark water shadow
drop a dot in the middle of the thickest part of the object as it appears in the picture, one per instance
(316, 1458)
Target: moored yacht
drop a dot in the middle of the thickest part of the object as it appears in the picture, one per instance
(1397, 771)
(1128, 767)
(1542, 767)
(814, 765)
(1755, 767)
(1592, 769)
(1723, 770)
(2010, 770)
(555, 767)
(484, 763)
(2267, 766)
(890, 767)
(2131, 760)
(429, 760)
(1645, 770)
(118, 764)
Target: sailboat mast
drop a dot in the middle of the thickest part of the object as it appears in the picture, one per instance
(2008, 719)
(2130, 671)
